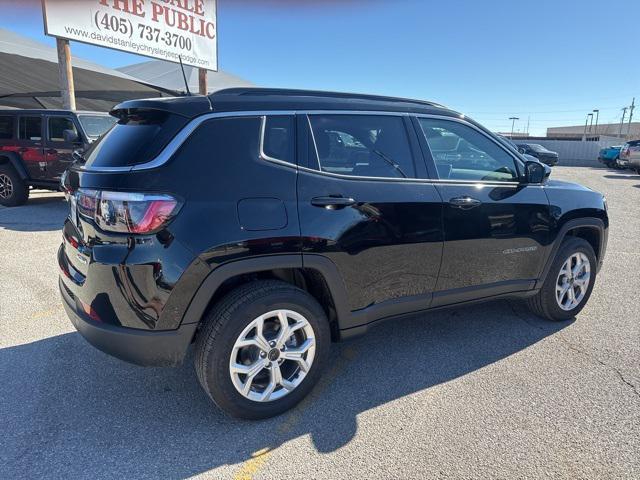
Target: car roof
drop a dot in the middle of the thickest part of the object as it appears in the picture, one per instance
(277, 99)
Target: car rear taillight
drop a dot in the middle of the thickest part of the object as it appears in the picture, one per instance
(126, 212)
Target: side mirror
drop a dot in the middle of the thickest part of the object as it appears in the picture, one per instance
(70, 136)
(536, 172)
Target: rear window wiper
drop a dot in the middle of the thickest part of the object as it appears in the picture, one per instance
(390, 162)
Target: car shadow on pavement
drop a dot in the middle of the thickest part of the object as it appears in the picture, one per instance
(623, 176)
(68, 410)
(44, 212)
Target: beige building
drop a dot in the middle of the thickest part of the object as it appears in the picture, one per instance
(605, 129)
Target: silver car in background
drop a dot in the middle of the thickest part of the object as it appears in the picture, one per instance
(630, 155)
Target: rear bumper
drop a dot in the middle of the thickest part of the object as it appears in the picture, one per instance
(147, 348)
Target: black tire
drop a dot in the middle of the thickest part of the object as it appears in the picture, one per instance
(224, 324)
(544, 303)
(13, 190)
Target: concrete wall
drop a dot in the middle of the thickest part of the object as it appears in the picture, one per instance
(576, 152)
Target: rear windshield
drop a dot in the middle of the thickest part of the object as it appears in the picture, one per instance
(138, 137)
(96, 125)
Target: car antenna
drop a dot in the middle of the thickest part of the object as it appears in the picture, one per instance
(186, 84)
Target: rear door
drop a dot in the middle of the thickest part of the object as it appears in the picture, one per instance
(58, 152)
(362, 206)
(496, 227)
(29, 143)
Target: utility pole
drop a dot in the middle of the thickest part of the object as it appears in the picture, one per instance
(591, 124)
(513, 122)
(67, 89)
(624, 114)
(586, 123)
(597, 112)
(528, 118)
(631, 108)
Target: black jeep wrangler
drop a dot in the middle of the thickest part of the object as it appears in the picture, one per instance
(36, 147)
(261, 225)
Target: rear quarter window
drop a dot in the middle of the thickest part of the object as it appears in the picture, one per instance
(138, 137)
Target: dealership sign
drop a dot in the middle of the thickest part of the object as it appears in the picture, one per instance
(164, 29)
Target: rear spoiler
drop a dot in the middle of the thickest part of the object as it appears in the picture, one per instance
(188, 107)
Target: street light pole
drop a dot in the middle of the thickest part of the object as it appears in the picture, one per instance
(513, 122)
(597, 112)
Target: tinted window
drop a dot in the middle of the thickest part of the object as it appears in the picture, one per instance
(138, 137)
(6, 128)
(463, 153)
(57, 125)
(362, 145)
(279, 138)
(30, 128)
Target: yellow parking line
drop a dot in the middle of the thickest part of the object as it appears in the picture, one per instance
(253, 465)
(259, 458)
(46, 313)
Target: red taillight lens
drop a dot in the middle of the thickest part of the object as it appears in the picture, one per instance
(127, 212)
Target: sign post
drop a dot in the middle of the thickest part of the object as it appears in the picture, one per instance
(66, 74)
(202, 81)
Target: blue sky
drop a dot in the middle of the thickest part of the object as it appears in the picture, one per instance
(552, 61)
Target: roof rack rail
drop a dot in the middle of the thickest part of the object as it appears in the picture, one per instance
(256, 91)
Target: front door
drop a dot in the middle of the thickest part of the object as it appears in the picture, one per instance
(496, 227)
(361, 206)
(58, 152)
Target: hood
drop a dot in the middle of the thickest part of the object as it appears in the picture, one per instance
(566, 185)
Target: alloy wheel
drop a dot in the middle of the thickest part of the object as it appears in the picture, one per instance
(573, 281)
(6, 186)
(272, 355)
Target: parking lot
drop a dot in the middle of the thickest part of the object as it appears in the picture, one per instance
(482, 391)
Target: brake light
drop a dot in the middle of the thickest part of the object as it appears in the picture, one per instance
(126, 212)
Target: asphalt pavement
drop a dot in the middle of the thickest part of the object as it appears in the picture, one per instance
(487, 391)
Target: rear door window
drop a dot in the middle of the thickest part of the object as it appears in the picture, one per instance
(362, 145)
(30, 128)
(138, 137)
(6, 127)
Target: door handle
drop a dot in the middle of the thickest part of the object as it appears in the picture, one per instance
(332, 203)
(465, 203)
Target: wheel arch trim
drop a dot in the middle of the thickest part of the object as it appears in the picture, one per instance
(591, 222)
(200, 301)
(16, 163)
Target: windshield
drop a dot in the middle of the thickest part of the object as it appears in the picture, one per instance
(96, 125)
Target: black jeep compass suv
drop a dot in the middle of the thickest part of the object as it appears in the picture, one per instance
(260, 225)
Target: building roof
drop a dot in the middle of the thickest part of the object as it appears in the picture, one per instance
(609, 129)
(169, 75)
(29, 78)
